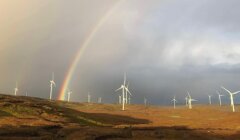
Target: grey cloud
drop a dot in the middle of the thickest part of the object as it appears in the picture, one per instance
(165, 47)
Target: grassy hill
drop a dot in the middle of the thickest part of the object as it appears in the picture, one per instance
(34, 118)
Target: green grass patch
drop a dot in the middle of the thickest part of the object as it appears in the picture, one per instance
(91, 122)
(20, 111)
(4, 114)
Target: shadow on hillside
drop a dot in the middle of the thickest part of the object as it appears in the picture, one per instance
(28, 132)
(19, 106)
(102, 118)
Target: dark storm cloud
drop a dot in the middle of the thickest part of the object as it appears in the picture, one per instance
(166, 48)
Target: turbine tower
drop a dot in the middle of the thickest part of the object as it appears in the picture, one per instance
(186, 100)
(190, 100)
(100, 100)
(231, 94)
(210, 99)
(145, 101)
(220, 99)
(89, 98)
(120, 99)
(52, 83)
(123, 88)
(16, 89)
(174, 102)
(129, 100)
(69, 94)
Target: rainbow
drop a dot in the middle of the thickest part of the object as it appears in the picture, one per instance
(81, 50)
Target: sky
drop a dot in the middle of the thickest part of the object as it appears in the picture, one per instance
(166, 48)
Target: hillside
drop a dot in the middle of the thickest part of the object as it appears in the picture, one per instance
(34, 118)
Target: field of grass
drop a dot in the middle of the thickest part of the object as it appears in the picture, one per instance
(34, 118)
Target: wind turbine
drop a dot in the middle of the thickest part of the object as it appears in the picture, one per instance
(210, 99)
(145, 101)
(130, 94)
(26, 93)
(69, 94)
(16, 89)
(123, 88)
(52, 83)
(190, 101)
(231, 97)
(129, 100)
(89, 98)
(126, 96)
(186, 100)
(219, 97)
(120, 99)
(174, 102)
(100, 100)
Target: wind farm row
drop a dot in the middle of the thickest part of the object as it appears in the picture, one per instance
(125, 97)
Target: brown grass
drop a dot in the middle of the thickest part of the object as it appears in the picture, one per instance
(34, 118)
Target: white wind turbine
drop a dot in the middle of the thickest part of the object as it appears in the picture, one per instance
(69, 94)
(52, 83)
(210, 99)
(186, 100)
(231, 97)
(190, 101)
(120, 99)
(100, 100)
(126, 96)
(174, 102)
(219, 97)
(16, 89)
(123, 88)
(129, 100)
(145, 101)
(89, 97)
(130, 94)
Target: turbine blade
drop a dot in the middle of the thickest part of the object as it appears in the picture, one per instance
(226, 90)
(118, 89)
(54, 83)
(124, 82)
(236, 92)
(53, 76)
(128, 85)
(128, 91)
(188, 94)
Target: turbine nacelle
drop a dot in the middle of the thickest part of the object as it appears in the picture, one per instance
(219, 94)
(53, 83)
(174, 100)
